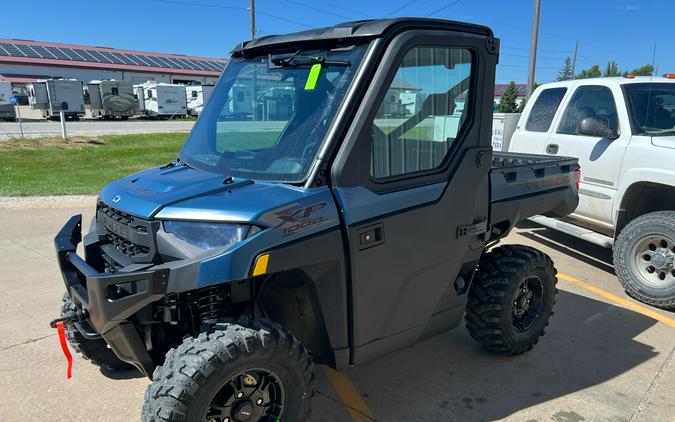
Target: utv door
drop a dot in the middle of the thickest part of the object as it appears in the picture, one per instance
(412, 180)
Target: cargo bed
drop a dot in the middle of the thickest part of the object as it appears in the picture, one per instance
(524, 185)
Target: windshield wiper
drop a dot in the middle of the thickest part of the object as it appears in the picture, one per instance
(296, 60)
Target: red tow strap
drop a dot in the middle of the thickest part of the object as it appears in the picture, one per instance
(64, 346)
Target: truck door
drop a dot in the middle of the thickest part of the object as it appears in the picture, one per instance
(600, 158)
(411, 179)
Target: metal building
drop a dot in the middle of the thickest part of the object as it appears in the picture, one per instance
(24, 61)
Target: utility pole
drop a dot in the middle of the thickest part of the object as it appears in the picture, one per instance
(574, 62)
(533, 49)
(252, 19)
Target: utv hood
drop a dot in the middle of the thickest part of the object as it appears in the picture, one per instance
(184, 193)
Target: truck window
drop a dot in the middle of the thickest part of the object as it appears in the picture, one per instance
(651, 108)
(422, 112)
(544, 109)
(589, 101)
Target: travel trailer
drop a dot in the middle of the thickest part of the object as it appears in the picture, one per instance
(161, 99)
(111, 98)
(55, 95)
(197, 97)
(6, 107)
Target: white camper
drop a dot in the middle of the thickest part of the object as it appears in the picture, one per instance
(6, 107)
(161, 99)
(197, 97)
(55, 95)
(111, 98)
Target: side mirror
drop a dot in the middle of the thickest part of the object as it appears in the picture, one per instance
(597, 127)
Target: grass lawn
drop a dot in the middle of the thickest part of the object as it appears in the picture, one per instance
(82, 165)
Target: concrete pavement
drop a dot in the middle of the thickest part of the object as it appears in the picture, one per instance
(597, 362)
(94, 128)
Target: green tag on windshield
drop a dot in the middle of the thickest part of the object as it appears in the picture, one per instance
(313, 77)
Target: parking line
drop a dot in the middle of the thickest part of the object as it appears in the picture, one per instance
(619, 300)
(348, 394)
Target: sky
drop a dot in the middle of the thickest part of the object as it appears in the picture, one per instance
(626, 31)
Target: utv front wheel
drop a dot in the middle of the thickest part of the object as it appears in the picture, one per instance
(94, 350)
(250, 372)
(511, 299)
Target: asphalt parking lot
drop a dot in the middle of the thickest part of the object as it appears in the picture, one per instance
(604, 357)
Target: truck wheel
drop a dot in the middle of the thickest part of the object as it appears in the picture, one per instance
(644, 259)
(511, 299)
(96, 351)
(255, 371)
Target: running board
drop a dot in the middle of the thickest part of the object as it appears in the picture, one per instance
(572, 230)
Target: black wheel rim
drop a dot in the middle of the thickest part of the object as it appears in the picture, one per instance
(252, 395)
(527, 303)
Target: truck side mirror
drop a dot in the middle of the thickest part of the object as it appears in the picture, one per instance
(597, 127)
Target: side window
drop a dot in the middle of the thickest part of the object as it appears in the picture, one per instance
(589, 101)
(544, 109)
(422, 112)
(194, 94)
(114, 91)
(149, 93)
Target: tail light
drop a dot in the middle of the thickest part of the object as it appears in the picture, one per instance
(577, 178)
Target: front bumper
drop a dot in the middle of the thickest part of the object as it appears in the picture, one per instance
(98, 294)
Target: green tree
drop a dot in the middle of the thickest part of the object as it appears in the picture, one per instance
(592, 72)
(646, 70)
(612, 69)
(508, 101)
(566, 72)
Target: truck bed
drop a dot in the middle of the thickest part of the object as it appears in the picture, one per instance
(524, 185)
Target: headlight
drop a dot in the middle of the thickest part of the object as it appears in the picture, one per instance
(209, 235)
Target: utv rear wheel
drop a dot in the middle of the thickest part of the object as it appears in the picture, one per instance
(94, 350)
(233, 372)
(511, 299)
(644, 259)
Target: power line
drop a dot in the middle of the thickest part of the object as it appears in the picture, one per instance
(440, 9)
(406, 4)
(218, 6)
(339, 6)
(318, 9)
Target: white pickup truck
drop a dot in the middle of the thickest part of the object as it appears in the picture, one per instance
(623, 132)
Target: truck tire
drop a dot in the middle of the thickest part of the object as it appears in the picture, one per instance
(511, 299)
(96, 351)
(644, 259)
(253, 371)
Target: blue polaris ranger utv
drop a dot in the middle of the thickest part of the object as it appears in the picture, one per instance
(334, 202)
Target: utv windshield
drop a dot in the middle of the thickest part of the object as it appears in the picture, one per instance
(268, 115)
(652, 108)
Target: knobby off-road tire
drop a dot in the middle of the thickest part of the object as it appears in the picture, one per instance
(511, 299)
(643, 259)
(208, 370)
(96, 351)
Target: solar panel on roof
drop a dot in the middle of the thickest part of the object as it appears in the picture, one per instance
(12, 50)
(167, 62)
(3, 52)
(57, 53)
(43, 52)
(72, 54)
(111, 57)
(124, 59)
(100, 57)
(29, 52)
(210, 65)
(85, 55)
(196, 65)
(152, 61)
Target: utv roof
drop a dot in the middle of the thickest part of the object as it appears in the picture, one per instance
(351, 32)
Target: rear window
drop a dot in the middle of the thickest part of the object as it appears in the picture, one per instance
(543, 110)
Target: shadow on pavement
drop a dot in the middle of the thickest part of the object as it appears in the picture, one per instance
(122, 375)
(586, 252)
(449, 377)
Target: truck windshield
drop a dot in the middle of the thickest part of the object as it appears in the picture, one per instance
(652, 108)
(269, 115)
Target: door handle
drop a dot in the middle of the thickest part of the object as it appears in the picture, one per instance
(552, 148)
(371, 236)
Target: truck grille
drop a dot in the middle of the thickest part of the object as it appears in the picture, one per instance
(133, 237)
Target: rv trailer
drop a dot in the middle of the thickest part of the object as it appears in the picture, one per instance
(111, 98)
(6, 107)
(158, 100)
(55, 95)
(197, 97)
